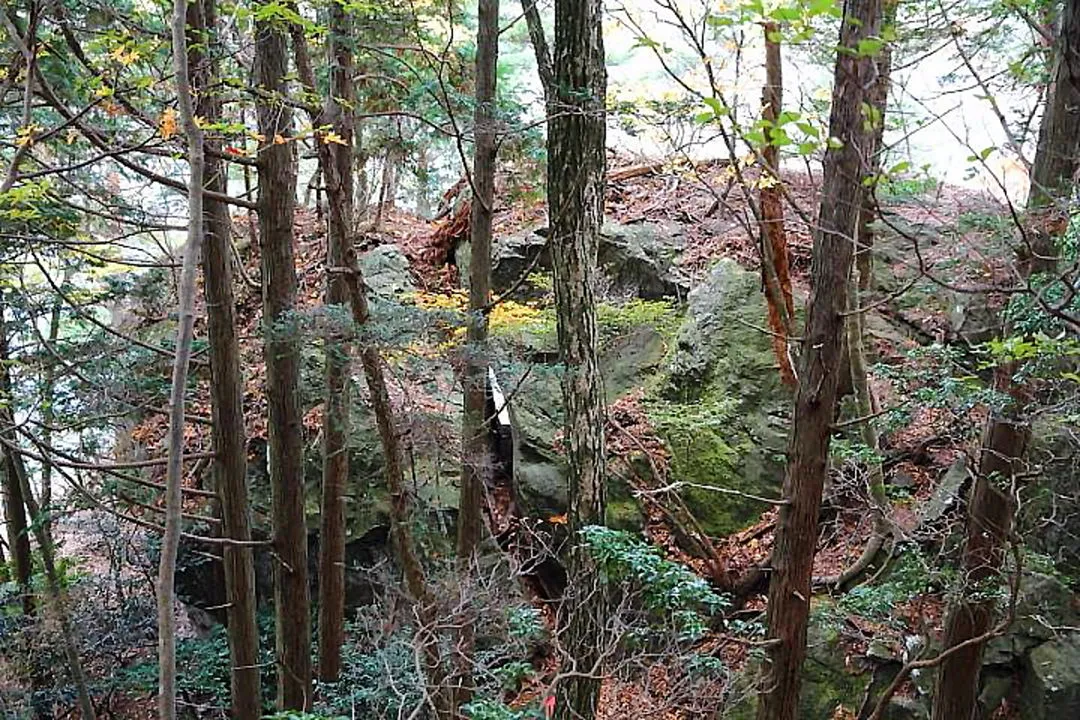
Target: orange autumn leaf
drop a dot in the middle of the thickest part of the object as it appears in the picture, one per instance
(558, 519)
(167, 125)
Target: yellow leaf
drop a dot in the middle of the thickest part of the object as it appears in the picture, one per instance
(280, 140)
(201, 122)
(256, 136)
(72, 135)
(24, 136)
(167, 125)
(332, 137)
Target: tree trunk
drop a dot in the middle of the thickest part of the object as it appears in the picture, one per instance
(18, 535)
(400, 515)
(277, 202)
(878, 100)
(336, 161)
(393, 455)
(476, 459)
(865, 407)
(819, 362)
(540, 49)
(991, 506)
(576, 167)
(166, 598)
(41, 526)
(989, 522)
(774, 249)
(1058, 153)
(227, 395)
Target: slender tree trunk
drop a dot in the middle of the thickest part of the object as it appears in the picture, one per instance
(865, 408)
(576, 167)
(41, 526)
(336, 161)
(540, 49)
(774, 249)
(1058, 153)
(991, 507)
(815, 401)
(277, 202)
(475, 457)
(393, 454)
(877, 99)
(990, 516)
(400, 512)
(18, 535)
(476, 460)
(48, 401)
(170, 540)
(226, 393)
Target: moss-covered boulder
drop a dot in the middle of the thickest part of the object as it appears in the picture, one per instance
(722, 408)
(630, 357)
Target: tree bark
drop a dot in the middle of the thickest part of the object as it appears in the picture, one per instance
(774, 249)
(226, 392)
(476, 459)
(990, 517)
(41, 526)
(336, 160)
(576, 169)
(1057, 155)
(393, 455)
(185, 331)
(18, 535)
(819, 363)
(878, 100)
(277, 202)
(540, 49)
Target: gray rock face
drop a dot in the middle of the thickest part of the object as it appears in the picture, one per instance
(386, 271)
(723, 360)
(639, 260)
(537, 416)
(1052, 681)
(636, 260)
(1055, 451)
(1039, 655)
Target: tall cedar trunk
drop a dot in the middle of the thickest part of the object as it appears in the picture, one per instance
(393, 454)
(339, 191)
(1058, 153)
(878, 99)
(185, 332)
(540, 49)
(226, 390)
(819, 363)
(277, 201)
(41, 526)
(991, 506)
(48, 401)
(774, 249)
(989, 521)
(18, 535)
(476, 460)
(576, 167)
